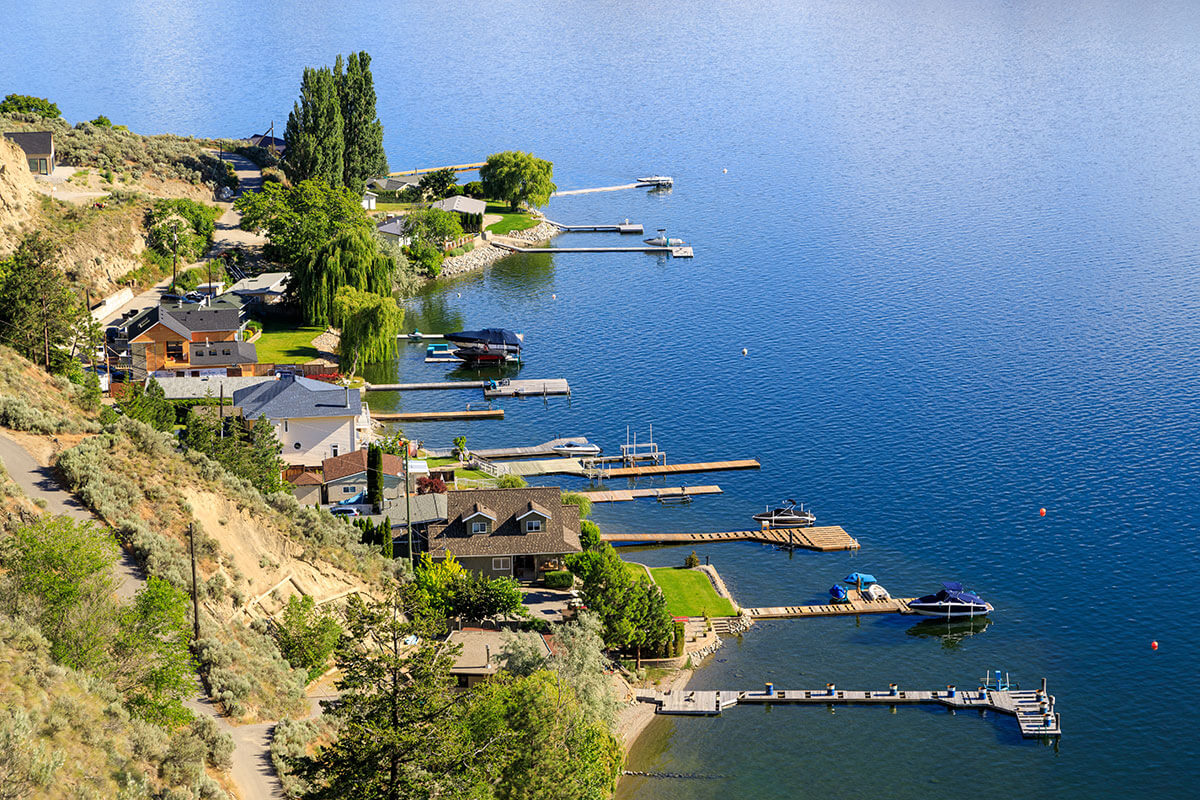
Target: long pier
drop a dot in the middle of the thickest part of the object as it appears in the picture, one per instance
(433, 416)
(423, 170)
(1034, 710)
(619, 495)
(627, 227)
(828, 538)
(422, 387)
(513, 388)
(543, 449)
(672, 469)
(677, 252)
(856, 604)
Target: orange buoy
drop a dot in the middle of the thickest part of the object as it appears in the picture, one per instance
(1154, 645)
(1042, 511)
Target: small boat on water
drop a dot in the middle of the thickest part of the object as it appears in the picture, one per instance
(952, 602)
(483, 354)
(665, 241)
(787, 516)
(657, 180)
(580, 447)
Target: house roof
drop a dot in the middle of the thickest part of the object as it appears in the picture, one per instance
(306, 479)
(34, 143)
(290, 398)
(482, 651)
(263, 140)
(393, 227)
(533, 508)
(186, 321)
(213, 353)
(210, 385)
(461, 204)
(426, 508)
(480, 511)
(561, 533)
(394, 183)
(266, 283)
(344, 466)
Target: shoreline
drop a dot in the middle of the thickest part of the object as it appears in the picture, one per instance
(486, 254)
(636, 716)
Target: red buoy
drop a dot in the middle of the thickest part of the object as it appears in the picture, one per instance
(1042, 511)
(1154, 645)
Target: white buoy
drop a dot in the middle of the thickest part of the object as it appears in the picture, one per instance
(553, 297)
(724, 171)
(460, 294)
(745, 351)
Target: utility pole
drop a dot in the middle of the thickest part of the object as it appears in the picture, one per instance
(195, 596)
(408, 507)
(174, 255)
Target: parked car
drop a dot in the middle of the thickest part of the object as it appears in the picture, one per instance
(344, 511)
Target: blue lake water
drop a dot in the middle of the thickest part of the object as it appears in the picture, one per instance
(958, 240)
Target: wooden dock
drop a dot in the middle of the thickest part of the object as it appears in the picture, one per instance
(423, 170)
(515, 387)
(619, 495)
(857, 605)
(433, 416)
(543, 449)
(626, 227)
(1034, 710)
(423, 387)
(827, 538)
(678, 252)
(672, 469)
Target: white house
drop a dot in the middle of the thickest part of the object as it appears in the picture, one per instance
(313, 420)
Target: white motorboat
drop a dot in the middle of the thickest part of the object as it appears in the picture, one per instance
(580, 447)
(658, 180)
(664, 241)
(786, 516)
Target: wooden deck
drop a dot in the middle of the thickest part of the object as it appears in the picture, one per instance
(672, 469)
(543, 449)
(529, 388)
(678, 252)
(423, 170)
(857, 605)
(1029, 707)
(619, 495)
(433, 416)
(422, 387)
(826, 538)
(625, 227)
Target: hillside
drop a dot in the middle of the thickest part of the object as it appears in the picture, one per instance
(18, 195)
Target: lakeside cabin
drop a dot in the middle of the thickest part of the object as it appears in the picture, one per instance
(38, 147)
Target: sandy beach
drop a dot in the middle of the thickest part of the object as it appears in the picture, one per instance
(635, 716)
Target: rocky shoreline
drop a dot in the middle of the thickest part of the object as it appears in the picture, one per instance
(486, 254)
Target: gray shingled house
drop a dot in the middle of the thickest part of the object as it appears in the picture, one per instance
(520, 533)
(38, 147)
(313, 420)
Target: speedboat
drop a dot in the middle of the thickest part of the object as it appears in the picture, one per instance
(476, 354)
(786, 516)
(497, 339)
(577, 447)
(664, 241)
(658, 180)
(952, 602)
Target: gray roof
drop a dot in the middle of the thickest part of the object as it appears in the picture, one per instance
(213, 354)
(267, 283)
(393, 227)
(392, 184)
(560, 534)
(461, 204)
(292, 398)
(425, 508)
(201, 320)
(34, 143)
(195, 388)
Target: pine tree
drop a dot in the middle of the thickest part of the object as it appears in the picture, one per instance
(362, 131)
(374, 475)
(314, 137)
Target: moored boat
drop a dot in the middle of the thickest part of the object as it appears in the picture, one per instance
(665, 241)
(786, 516)
(952, 602)
(580, 447)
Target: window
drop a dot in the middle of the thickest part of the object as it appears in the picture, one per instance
(225, 352)
(479, 527)
(533, 525)
(502, 564)
(349, 489)
(33, 165)
(285, 426)
(43, 168)
(335, 451)
(175, 351)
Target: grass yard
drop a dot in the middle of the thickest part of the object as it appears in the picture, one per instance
(509, 221)
(636, 571)
(690, 594)
(284, 344)
(459, 472)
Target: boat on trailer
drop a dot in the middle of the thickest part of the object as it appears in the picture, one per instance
(952, 602)
(787, 516)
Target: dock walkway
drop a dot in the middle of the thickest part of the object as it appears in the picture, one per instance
(619, 495)
(433, 416)
(826, 538)
(857, 604)
(513, 388)
(543, 449)
(678, 252)
(672, 469)
(627, 227)
(1034, 710)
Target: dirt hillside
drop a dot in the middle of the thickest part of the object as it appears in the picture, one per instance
(18, 197)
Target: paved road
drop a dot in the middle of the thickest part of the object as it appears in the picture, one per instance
(40, 482)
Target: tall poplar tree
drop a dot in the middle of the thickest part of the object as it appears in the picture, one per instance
(314, 136)
(363, 156)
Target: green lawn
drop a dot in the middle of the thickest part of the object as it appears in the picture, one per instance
(459, 472)
(509, 221)
(636, 571)
(690, 594)
(284, 344)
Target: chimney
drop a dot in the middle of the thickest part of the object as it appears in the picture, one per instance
(347, 397)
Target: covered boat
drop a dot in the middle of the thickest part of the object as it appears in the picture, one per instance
(786, 516)
(864, 578)
(952, 602)
(493, 338)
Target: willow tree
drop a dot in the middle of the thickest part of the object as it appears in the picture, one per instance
(354, 260)
(369, 323)
(518, 178)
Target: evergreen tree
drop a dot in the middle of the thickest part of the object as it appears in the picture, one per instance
(38, 311)
(374, 474)
(363, 156)
(149, 405)
(314, 137)
(264, 467)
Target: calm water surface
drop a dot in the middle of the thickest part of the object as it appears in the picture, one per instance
(959, 242)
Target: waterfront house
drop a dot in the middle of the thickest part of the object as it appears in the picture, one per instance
(346, 476)
(481, 654)
(38, 147)
(312, 420)
(272, 143)
(394, 230)
(265, 288)
(461, 204)
(519, 533)
(186, 341)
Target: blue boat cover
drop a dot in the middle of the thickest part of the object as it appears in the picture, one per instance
(837, 592)
(952, 586)
(855, 577)
(355, 500)
(955, 591)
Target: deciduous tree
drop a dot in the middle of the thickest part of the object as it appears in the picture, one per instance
(369, 323)
(299, 220)
(363, 156)
(314, 139)
(517, 177)
(153, 666)
(27, 104)
(306, 635)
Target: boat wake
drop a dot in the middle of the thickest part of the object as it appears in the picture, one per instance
(600, 189)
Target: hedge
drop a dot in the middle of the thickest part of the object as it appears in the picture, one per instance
(559, 579)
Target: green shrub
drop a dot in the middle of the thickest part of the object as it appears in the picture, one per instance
(692, 560)
(580, 501)
(511, 481)
(559, 579)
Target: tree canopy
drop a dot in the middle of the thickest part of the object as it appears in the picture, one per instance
(369, 323)
(307, 635)
(363, 156)
(245, 448)
(633, 614)
(149, 405)
(39, 313)
(517, 177)
(27, 104)
(301, 219)
(314, 137)
(428, 230)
